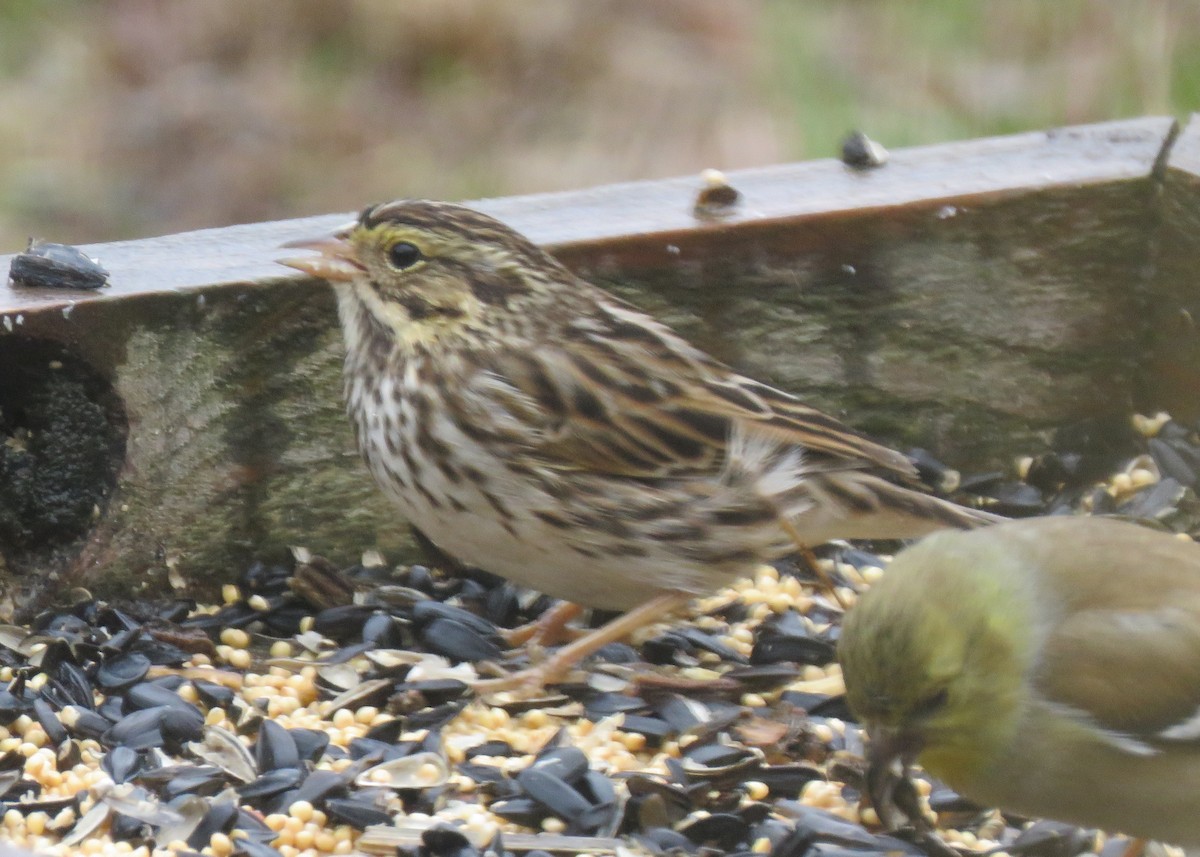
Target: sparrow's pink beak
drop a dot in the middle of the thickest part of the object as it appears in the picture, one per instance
(338, 261)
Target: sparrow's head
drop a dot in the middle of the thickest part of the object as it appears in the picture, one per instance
(424, 271)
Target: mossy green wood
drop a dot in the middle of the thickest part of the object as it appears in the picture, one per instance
(965, 297)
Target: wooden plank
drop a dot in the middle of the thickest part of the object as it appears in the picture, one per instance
(1021, 163)
(1170, 376)
(964, 297)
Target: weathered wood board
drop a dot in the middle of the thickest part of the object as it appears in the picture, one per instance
(965, 297)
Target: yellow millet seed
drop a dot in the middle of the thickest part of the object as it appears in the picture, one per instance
(535, 719)
(235, 637)
(742, 634)
(239, 659)
(780, 602)
(1140, 477)
(822, 732)
(302, 810)
(872, 573)
(324, 841)
(281, 649)
(302, 684)
(1149, 426)
(756, 790)
(304, 839)
(634, 742)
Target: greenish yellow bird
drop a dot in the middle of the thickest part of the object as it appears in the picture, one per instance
(1049, 667)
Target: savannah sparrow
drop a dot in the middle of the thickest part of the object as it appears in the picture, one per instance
(538, 427)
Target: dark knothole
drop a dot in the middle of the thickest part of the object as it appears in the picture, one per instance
(62, 440)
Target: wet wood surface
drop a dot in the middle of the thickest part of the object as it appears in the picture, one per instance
(965, 297)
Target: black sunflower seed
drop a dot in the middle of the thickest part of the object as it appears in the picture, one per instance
(271, 783)
(181, 725)
(246, 847)
(359, 812)
(553, 793)
(89, 724)
(722, 830)
(321, 785)
(45, 265)
(458, 641)
(1052, 839)
(121, 763)
(139, 731)
(520, 810)
(191, 780)
(445, 841)
(75, 685)
(51, 725)
(276, 748)
(569, 764)
(213, 695)
(219, 819)
(310, 743)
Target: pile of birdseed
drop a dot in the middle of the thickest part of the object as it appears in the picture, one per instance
(328, 711)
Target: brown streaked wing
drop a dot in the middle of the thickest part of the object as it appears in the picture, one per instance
(622, 394)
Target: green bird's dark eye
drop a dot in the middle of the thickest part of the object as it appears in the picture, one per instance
(404, 255)
(932, 703)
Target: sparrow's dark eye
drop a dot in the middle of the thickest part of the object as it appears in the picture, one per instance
(404, 255)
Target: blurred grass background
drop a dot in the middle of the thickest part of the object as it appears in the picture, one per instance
(142, 117)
